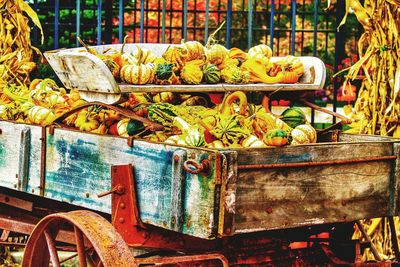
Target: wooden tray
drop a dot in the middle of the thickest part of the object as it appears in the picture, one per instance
(78, 69)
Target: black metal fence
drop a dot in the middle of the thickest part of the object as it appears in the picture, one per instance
(302, 27)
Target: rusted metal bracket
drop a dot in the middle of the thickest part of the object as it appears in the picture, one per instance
(23, 164)
(178, 179)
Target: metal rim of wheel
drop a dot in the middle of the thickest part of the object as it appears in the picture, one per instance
(91, 233)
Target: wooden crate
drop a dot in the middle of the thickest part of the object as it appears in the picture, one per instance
(344, 178)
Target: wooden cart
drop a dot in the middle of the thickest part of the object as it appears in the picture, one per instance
(106, 194)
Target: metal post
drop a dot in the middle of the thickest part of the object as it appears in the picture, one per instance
(99, 9)
(184, 20)
(121, 21)
(78, 22)
(250, 24)
(293, 39)
(56, 21)
(207, 21)
(141, 21)
(272, 26)
(228, 24)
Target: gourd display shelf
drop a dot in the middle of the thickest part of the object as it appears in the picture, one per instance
(79, 69)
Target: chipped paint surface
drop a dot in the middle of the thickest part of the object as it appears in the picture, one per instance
(10, 142)
(78, 167)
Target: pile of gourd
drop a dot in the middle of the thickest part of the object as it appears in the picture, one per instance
(192, 63)
(233, 123)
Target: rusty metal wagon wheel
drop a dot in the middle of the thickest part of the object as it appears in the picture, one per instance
(95, 238)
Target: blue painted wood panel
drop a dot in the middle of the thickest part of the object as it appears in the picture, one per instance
(10, 154)
(78, 167)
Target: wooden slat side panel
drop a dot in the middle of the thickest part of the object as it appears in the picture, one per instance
(78, 167)
(10, 143)
(199, 199)
(313, 153)
(283, 198)
(345, 137)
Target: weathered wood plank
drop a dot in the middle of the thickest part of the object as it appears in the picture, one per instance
(11, 153)
(314, 152)
(78, 167)
(283, 198)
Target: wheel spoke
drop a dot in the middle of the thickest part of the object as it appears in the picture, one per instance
(80, 247)
(52, 249)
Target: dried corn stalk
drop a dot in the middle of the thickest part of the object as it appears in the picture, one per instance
(377, 109)
(16, 51)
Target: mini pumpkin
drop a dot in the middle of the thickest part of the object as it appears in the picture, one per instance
(303, 134)
(260, 49)
(276, 137)
(293, 117)
(137, 74)
(292, 63)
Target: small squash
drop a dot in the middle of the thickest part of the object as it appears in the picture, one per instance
(216, 54)
(192, 73)
(86, 121)
(40, 115)
(128, 127)
(303, 134)
(293, 117)
(176, 55)
(137, 74)
(235, 75)
(290, 77)
(260, 49)
(195, 50)
(276, 137)
(252, 141)
(292, 63)
(211, 74)
(237, 53)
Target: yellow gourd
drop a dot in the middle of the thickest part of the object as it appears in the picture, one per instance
(260, 49)
(216, 54)
(192, 73)
(40, 115)
(195, 50)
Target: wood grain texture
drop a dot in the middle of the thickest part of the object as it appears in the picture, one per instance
(271, 198)
(11, 154)
(314, 152)
(78, 167)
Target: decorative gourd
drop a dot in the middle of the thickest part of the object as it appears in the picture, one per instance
(86, 121)
(216, 54)
(252, 141)
(237, 53)
(290, 77)
(128, 127)
(164, 72)
(177, 56)
(137, 74)
(234, 75)
(258, 72)
(211, 74)
(228, 129)
(192, 73)
(292, 63)
(303, 134)
(40, 115)
(163, 113)
(138, 56)
(293, 117)
(264, 60)
(195, 50)
(276, 137)
(260, 49)
(112, 66)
